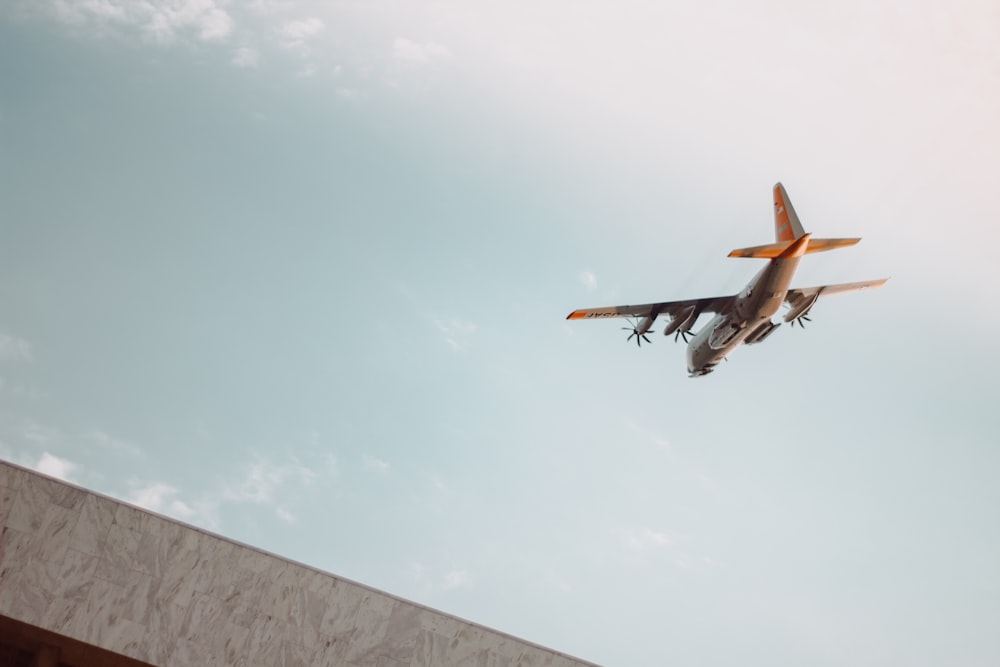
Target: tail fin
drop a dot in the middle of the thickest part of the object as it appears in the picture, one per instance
(786, 224)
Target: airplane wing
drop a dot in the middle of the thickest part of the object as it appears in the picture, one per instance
(690, 308)
(827, 290)
(801, 299)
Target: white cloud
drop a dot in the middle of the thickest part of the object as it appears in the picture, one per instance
(163, 498)
(556, 581)
(269, 7)
(69, 11)
(296, 33)
(153, 497)
(54, 466)
(285, 515)
(413, 53)
(108, 442)
(262, 481)
(214, 25)
(332, 465)
(588, 279)
(182, 510)
(245, 57)
(39, 433)
(655, 438)
(419, 574)
(456, 579)
(426, 579)
(707, 483)
(307, 71)
(457, 332)
(162, 20)
(14, 349)
(376, 464)
(19, 390)
(642, 539)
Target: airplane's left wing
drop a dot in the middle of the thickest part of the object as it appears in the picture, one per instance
(690, 309)
(801, 299)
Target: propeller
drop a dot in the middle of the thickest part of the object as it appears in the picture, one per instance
(683, 334)
(639, 337)
(799, 320)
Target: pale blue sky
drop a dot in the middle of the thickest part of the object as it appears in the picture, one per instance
(297, 272)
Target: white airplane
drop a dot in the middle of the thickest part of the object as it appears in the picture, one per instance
(743, 318)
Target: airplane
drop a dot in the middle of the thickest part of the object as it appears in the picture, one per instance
(744, 318)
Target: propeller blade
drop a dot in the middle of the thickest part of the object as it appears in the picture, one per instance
(646, 339)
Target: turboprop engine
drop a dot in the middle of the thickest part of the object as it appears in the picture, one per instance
(799, 311)
(639, 329)
(681, 325)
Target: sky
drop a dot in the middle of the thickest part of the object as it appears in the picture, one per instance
(297, 272)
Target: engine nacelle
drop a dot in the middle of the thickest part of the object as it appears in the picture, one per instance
(683, 322)
(801, 309)
(762, 332)
(646, 323)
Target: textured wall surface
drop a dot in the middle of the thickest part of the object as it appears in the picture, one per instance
(103, 572)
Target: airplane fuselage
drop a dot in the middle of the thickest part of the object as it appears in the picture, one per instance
(749, 315)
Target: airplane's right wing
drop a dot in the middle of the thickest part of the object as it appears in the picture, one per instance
(690, 308)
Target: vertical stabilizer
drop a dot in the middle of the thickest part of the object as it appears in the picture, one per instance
(786, 224)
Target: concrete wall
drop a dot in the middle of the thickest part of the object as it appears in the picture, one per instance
(110, 575)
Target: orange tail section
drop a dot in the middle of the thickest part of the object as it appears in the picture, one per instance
(786, 223)
(791, 239)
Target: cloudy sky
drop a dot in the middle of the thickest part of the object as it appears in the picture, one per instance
(297, 272)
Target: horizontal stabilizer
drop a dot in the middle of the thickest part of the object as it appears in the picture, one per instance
(772, 250)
